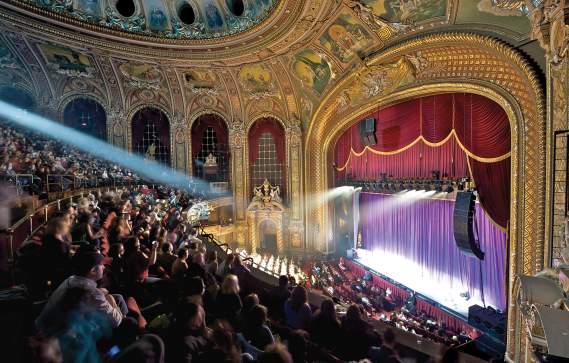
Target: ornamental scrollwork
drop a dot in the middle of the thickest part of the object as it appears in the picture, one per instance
(134, 24)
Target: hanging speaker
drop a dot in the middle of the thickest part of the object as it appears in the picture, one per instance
(367, 131)
(463, 225)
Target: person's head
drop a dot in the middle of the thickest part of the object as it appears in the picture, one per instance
(167, 247)
(189, 315)
(298, 297)
(298, 345)
(57, 227)
(199, 259)
(183, 254)
(211, 256)
(353, 313)
(88, 262)
(257, 316)
(328, 310)
(230, 285)
(275, 353)
(131, 245)
(237, 262)
(194, 286)
(389, 337)
(193, 232)
(116, 250)
(249, 301)
(229, 259)
(283, 281)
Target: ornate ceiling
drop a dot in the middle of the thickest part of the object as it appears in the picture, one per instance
(284, 62)
(171, 19)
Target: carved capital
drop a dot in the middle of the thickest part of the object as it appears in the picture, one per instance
(549, 27)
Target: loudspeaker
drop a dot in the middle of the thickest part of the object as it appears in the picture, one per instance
(463, 218)
(367, 131)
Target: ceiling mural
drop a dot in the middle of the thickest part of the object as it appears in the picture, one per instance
(287, 71)
(176, 19)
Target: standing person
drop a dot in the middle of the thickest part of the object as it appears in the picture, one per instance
(278, 296)
(296, 309)
(56, 251)
(256, 330)
(224, 267)
(228, 301)
(211, 263)
(325, 328)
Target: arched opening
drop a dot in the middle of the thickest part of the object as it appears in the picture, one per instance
(236, 7)
(126, 7)
(186, 14)
(268, 237)
(412, 160)
(151, 134)
(17, 97)
(210, 149)
(267, 154)
(86, 115)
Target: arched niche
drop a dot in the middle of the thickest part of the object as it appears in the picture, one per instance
(86, 115)
(267, 154)
(17, 97)
(210, 138)
(151, 134)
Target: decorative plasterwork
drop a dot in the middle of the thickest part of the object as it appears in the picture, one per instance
(459, 63)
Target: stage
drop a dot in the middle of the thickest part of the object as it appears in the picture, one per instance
(402, 272)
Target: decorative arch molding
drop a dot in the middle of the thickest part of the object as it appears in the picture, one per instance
(437, 64)
(70, 97)
(130, 115)
(263, 115)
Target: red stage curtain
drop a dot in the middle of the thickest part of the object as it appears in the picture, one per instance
(493, 185)
(201, 124)
(437, 133)
(260, 127)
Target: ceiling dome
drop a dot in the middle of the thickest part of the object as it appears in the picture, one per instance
(174, 19)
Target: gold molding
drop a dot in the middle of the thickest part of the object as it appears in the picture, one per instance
(455, 62)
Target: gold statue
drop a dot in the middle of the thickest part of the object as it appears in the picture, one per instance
(210, 160)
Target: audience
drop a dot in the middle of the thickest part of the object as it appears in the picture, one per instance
(325, 327)
(228, 301)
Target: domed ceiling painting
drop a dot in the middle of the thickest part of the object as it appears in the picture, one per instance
(177, 19)
(240, 58)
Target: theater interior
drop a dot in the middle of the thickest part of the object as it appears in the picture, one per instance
(289, 181)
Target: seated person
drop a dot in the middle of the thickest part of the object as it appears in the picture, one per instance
(79, 294)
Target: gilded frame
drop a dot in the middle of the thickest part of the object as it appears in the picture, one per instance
(455, 62)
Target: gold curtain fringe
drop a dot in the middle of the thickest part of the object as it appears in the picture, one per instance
(430, 144)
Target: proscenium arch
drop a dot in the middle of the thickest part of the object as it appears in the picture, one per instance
(454, 63)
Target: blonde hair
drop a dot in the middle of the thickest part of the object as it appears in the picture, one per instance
(230, 285)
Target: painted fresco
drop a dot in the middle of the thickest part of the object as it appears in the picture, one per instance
(90, 7)
(345, 37)
(156, 15)
(141, 72)
(256, 79)
(66, 59)
(213, 16)
(406, 11)
(312, 70)
(200, 78)
(481, 12)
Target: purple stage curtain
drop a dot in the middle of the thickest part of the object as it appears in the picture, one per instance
(419, 232)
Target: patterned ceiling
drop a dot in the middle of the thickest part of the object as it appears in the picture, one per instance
(284, 66)
(175, 19)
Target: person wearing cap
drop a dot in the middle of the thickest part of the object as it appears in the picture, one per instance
(79, 294)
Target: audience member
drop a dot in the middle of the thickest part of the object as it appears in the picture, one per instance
(296, 309)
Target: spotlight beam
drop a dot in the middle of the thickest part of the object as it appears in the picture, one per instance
(103, 150)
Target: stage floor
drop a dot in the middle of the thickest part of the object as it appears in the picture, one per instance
(405, 274)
